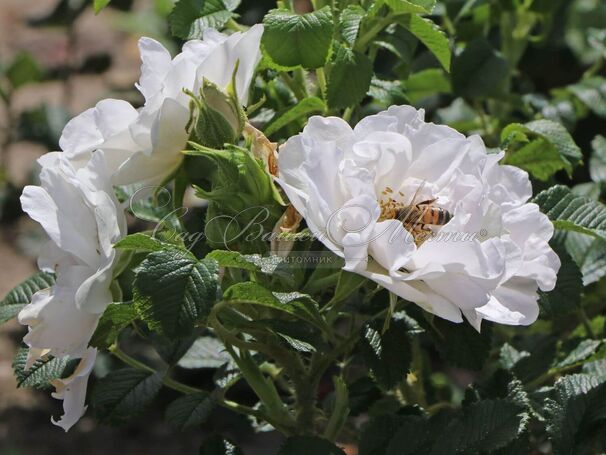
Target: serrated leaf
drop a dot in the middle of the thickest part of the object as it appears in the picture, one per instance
(387, 354)
(98, 5)
(124, 394)
(510, 356)
(305, 445)
(41, 373)
(589, 254)
(296, 304)
(552, 132)
(583, 350)
(578, 401)
(349, 22)
(171, 350)
(115, 318)
(540, 158)
(22, 294)
(406, 6)
(301, 110)
(140, 242)
(411, 438)
(430, 34)
(173, 290)
(597, 163)
(489, 425)
(572, 213)
(189, 18)
(206, 352)
(293, 39)
(592, 92)
(349, 76)
(190, 410)
(252, 262)
(480, 71)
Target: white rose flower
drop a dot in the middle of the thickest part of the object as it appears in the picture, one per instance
(159, 130)
(483, 250)
(80, 214)
(144, 146)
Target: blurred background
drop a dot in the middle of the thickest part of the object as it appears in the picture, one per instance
(57, 58)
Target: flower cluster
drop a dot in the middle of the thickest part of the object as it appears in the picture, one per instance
(108, 145)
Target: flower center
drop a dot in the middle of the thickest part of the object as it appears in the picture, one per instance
(414, 216)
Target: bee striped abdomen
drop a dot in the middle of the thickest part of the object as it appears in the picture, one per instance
(436, 216)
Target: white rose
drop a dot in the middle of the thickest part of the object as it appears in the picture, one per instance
(159, 130)
(144, 146)
(80, 214)
(487, 262)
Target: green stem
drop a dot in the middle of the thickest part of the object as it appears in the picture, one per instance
(264, 389)
(365, 39)
(321, 81)
(586, 322)
(233, 25)
(340, 410)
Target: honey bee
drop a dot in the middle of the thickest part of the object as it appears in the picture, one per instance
(417, 216)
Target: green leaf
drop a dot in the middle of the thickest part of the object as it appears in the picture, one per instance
(583, 350)
(252, 262)
(218, 445)
(592, 92)
(597, 163)
(305, 445)
(589, 254)
(540, 158)
(407, 6)
(140, 242)
(510, 356)
(190, 410)
(552, 132)
(292, 39)
(579, 400)
(23, 70)
(41, 373)
(566, 295)
(22, 294)
(206, 352)
(480, 71)
(301, 110)
(189, 18)
(486, 425)
(115, 318)
(387, 354)
(460, 344)
(173, 290)
(350, 21)
(426, 83)
(98, 5)
(349, 77)
(124, 394)
(572, 213)
(430, 34)
(294, 303)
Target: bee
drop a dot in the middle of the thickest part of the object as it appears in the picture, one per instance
(417, 216)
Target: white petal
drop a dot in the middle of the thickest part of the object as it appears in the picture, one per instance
(72, 390)
(155, 65)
